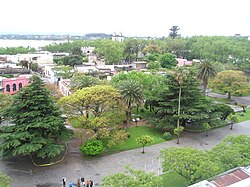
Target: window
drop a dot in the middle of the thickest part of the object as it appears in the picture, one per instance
(14, 87)
(8, 88)
(20, 86)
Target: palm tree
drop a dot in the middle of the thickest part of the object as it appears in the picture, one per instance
(206, 70)
(180, 77)
(132, 95)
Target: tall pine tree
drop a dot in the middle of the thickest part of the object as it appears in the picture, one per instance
(193, 106)
(39, 128)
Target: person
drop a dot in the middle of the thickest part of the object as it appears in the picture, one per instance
(83, 181)
(87, 183)
(78, 183)
(70, 184)
(91, 183)
(64, 181)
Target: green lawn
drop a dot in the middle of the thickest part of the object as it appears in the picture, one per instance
(222, 100)
(174, 180)
(245, 117)
(136, 132)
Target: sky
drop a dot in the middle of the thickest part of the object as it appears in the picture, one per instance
(131, 17)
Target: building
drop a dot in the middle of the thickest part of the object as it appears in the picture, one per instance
(140, 65)
(118, 37)
(49, 73)
(183, 62)
(13, 85)
(64, 86)
(237, 177)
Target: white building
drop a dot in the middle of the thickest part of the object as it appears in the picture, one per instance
(50, 74)
(118, 37)
(64, 87)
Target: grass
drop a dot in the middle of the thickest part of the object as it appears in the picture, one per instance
(245, 117)
(222, 100)
(174, 180)
(136, 132)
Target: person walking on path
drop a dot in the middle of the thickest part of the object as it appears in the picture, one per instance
(70, 184)
(83, 181)
(64, 181)
(78, 183)
(91, 183)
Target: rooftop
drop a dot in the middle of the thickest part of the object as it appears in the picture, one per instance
(237, 177)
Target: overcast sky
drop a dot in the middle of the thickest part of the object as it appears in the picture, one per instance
(131, 17)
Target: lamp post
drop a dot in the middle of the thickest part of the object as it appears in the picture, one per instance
(136, 120)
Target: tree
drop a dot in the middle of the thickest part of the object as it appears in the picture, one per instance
(177, 131)
(24, 63)
(39, 128)
(95, 100)
(64, 72)
(180, 77)
(34, 67)
(132, 95)
(232, 152)
(154, 65)
(224, 110)
(174, 31)
(231, 82)
(132, 178)
(151, 49)
(6, 101)
(54, 91)
(194, 107)
(112, 51)
(193, 164)
(5, 181)
(133, 47)
(206, 70)
(77, 51)
(233, 119)
(144, 140)
(80, 80)
(168, 60)
(72, 60)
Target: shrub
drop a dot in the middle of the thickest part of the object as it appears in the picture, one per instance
(224, 110)
(167, 136)
(92, 147)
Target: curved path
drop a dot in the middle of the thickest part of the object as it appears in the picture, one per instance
(25, 174)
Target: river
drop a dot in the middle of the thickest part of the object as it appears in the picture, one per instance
(28, 43)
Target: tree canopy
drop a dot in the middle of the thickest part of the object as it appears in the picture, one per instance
(38, 126)
(132, 178)
(231, 82)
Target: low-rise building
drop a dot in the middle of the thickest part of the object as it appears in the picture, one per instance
(49, 73)
(64, 87)
(237, 177)
(13, 85)
(183, 62)
(140, 65)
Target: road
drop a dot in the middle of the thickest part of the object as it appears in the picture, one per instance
(25, 174)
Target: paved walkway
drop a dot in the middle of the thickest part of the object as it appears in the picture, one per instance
(239, 100)
(25, 174)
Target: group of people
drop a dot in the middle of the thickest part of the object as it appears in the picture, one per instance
(80, 182)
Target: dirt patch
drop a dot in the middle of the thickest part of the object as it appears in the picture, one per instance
(140, 123)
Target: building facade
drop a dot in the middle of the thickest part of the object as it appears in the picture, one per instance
(13, 85)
